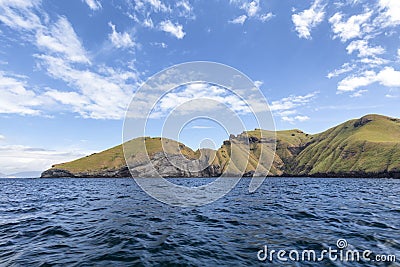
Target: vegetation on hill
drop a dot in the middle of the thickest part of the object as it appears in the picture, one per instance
(369, 146)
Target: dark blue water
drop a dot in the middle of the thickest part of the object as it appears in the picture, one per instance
(111, 222)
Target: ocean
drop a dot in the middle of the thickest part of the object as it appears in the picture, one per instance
(112, 222)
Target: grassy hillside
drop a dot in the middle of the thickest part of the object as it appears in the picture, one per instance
(369, 145)
(113, 158)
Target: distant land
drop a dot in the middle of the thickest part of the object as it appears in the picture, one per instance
(27, 174)
(364, 147)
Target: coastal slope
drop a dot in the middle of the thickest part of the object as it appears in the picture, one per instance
(364, 147)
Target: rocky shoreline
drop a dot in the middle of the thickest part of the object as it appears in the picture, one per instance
(124, 173)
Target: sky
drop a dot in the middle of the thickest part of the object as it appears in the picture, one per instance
(69, 69)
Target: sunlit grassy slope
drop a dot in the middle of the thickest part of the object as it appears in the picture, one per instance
(370, 144)
(113, 158)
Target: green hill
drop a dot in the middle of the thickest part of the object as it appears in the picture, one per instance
(365, 147)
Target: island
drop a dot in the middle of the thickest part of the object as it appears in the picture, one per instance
(364, 147)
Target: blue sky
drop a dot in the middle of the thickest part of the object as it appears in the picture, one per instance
(68, 69)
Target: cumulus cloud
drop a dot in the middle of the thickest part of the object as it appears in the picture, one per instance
(367, 33)
(308, 19)
(93, 4)
(388, 76)
(353, 82)
(251, 8)
(95, 91)
(351, 28)
(174, 29)
(119, 39)
(390, 15)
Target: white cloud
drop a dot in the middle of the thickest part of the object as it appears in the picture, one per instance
(374, 61)
(294, 119)
(364, 50)
(159, 44)
(17, 158)
(97, 91)
(103, 95)
(251, 8)
(19, 14)
(239, 20)
(353, 82)
(398, 53)
(346, 67)
(60, 39)
(202, 93)
(291, 102)
(391, 12)
(391, 96)
(174, 29)
(148, 22)
(154, 5)
(266, 17)
(388, 76)
(158, 5)
(308, 19)
(15, 98)
(93, 4)
(2, 137)
(354, 27)
(119, 39)
(68, 98)
(286, 108)
(185, 9)
(359, 93)
(201, 127)
(258, 83)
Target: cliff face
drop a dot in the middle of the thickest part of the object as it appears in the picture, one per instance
(365, 147)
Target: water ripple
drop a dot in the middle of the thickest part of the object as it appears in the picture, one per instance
(86, 222)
